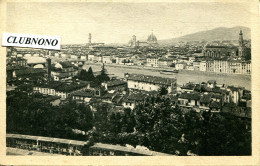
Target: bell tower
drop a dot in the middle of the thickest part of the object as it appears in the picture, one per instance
(241, 42)
(241, 47)
(89, 38)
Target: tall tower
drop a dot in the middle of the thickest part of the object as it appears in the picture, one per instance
(133, 41)
(48, 60)
(138, 43)
(89, 38)
(241, 42)
(241, 47)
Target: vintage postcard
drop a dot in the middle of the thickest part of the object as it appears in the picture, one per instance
(130, 82)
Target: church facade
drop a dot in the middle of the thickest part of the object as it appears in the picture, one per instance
(151, 41)
(226, 51)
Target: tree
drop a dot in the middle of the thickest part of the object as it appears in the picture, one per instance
(163, 91)
(85, 119)
(223, 134)
(86, 75)
(83, 75)
(103, 75)
(101, 117)
(90, 75)
(159, 123)
(248, 54)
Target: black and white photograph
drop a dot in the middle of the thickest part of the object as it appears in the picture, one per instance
(129, 79)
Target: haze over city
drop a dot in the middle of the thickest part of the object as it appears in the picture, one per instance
(117, 22)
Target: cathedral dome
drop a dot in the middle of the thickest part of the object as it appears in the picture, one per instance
(152, 38)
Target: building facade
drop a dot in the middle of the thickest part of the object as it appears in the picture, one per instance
(152, 61)
(150, 83)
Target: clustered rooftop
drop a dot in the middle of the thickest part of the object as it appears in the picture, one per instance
(151, 79)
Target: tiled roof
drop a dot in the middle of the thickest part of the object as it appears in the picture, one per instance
(108, 96)
(190, 96)
(86, 93)
(210, 46)
(152, 57)
(64, 75)
(206, 98)
(29, 71)
(233, 88)
(215, 104)
(62, 86)
(115, 83)
(15, 67)
(217, 96)
(135, 97)
(18, 59)
(47, 98)
(117, 99)
(66, 64)
(151, 79)
(188, 86)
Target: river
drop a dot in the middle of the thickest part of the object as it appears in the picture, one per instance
(182, 78)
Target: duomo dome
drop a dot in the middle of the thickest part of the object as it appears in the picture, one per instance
(152, 38)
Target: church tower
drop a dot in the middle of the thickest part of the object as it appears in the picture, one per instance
(241, 42)
(134, 41)
(241, 47)
(89, 38)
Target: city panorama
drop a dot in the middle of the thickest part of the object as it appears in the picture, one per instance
(142, 91)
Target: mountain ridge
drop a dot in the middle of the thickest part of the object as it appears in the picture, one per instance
(220, 33)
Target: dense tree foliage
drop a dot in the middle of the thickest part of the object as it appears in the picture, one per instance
(86, 75)
(89, 76)
(29, 115)
(155, 123)
(160, 124)
(173, 130)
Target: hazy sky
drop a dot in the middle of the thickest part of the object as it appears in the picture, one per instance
(117, 22)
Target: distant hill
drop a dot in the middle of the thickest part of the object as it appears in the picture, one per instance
(220, 33)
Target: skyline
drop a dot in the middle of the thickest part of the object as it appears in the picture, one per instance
(119, 21)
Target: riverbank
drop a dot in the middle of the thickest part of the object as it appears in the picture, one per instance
(182, 77)
(169, 69)
(213, 73)
(128, 66)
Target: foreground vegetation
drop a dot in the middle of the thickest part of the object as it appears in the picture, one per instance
(155, 123)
